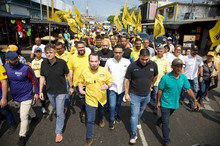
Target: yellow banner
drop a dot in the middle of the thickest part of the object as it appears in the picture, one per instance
(215, 34)
(117, 23)
(158, 26)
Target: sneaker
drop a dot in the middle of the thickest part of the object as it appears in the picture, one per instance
(111, 125)
(82, 117)
(21, 141)
(43, 110)
(102, 123)
(89, 142)
(12, 129)
(133, 139)
(207, 98)
(118, 120)
(59, 138)
(139, 126)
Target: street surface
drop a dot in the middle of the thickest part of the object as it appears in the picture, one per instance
(188, 128)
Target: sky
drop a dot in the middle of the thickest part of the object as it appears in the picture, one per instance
(105, 8)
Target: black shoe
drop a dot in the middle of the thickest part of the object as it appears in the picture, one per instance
(21, 141)
(82, 117)
(118, 120)
(111, 125)
(12, 129)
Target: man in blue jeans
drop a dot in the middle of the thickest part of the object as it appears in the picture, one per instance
(117, 66)
(168, 96)
(53, 72)
(139, 79)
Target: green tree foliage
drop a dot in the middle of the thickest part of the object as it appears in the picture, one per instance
(111, 18)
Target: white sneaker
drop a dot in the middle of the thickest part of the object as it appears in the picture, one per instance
(206, 98)
(139, 126)
(43, 110)
(133, 140)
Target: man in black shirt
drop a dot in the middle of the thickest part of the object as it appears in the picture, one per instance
(105, 53)
(139, 78)
(53, 71)
(127, 51)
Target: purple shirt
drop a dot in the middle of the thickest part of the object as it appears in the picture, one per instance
(21, 82)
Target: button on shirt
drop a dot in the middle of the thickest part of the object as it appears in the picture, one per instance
(93, 80)
(117, 70)
(141, 77)
(171, 89)
(192, 65)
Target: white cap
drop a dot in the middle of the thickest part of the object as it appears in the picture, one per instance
(169, 38)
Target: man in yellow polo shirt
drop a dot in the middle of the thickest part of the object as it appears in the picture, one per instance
(163, 68)
(65, 55)
(136, 49)
(76, 63)
(97, 80)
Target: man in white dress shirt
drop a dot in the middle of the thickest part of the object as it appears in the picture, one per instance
(117, 66)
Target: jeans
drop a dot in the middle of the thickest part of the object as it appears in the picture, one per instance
(164, 119)
(204, 86)
(154, 96)
(5, 111)
(91, 114)
(68, 96)
(194, 84)
(57, 102)
(81, 100)
(25, 107)
(115, 101)
(138, 105)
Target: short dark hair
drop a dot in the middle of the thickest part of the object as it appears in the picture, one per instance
(118, 46)
(167, 46)
(79, 42)
(98, 37)
(94, 54)
(59, 44)
(144, 52)
(50, 46)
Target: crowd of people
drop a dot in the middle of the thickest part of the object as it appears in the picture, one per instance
(103, 71)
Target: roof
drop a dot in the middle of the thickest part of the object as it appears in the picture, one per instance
(179, 3)
(6, 14)
(33, 21)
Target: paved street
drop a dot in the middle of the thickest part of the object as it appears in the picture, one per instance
(187, 128)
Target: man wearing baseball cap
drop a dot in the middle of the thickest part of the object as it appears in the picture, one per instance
(21, 81)
(168, 95)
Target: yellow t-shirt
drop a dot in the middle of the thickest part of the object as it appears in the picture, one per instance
(3, 74)
(163, 67)
(65, 56)
(76, 63)
(135, 53)
(36, 65)
(93, 80)
(72, 50)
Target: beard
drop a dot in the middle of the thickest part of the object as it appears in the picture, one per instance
(81, 52)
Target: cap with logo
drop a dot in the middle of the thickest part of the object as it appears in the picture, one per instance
(194, 48)
(37, 49)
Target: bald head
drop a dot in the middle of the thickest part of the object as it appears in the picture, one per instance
(105, 44)
(37, 41)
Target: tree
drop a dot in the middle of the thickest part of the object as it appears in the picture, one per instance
(111, 18)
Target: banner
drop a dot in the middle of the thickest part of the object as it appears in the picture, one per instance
(117, 23)
(158, 26)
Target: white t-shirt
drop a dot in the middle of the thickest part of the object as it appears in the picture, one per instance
(192, 65)
(117, 70)
(172, 57)
(42, 46)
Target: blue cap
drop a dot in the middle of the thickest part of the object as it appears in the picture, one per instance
(37, 49)
(11, 55)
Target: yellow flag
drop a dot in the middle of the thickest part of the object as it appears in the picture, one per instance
(117, 23)
(158, 26)
(126, 17)
(59, 16)
(215, 34)
(133, 17)
(78, 17)
(138, 26)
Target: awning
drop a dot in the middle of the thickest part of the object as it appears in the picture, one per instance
(38, 21)
(5, 14)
